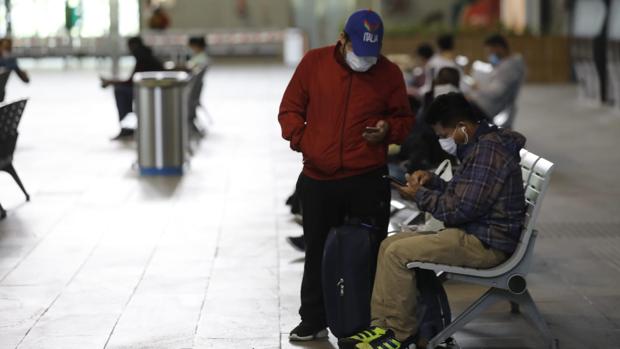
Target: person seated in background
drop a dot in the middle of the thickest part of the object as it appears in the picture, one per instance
(123, 89)
(422, 149)
(416, 87)
(199, 58)
(501, 90)
(444, 58)
(8, 63)
(482, 207)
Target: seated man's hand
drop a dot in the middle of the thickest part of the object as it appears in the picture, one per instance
(377, 134)
(408, 191)
(420, 177)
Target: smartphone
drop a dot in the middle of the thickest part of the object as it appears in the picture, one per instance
(372, 129)
(395, 180)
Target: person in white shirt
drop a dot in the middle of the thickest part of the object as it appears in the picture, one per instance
(199, 58)
(444, 58)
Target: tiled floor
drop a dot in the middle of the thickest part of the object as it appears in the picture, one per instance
(101, 258)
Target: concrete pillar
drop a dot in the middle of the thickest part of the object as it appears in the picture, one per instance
(114, 38)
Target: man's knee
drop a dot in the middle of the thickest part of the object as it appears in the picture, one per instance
(400, 253)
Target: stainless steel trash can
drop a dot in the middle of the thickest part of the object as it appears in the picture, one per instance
(161, 107)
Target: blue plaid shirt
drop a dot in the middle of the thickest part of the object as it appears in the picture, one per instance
(485, 197)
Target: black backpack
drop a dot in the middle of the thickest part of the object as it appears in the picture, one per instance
(433, 311)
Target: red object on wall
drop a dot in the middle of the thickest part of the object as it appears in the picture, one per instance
(483, 13)
(242, 8)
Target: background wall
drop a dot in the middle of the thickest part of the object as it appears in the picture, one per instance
(224, 14)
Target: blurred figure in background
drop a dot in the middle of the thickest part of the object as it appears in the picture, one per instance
(418, 84)
(444, 58)
(123, 89)
(160, 20)
(199, 58)
(423, 150)
(8, 63)
(499, 93)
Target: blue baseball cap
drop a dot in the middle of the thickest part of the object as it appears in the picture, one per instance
(365, 30)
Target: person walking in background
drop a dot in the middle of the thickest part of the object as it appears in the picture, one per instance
(123, 89)
(342, 108)
(9, 64)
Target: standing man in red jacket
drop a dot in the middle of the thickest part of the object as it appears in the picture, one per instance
(344, 105)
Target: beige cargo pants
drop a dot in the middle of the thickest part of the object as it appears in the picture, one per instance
(395, 290)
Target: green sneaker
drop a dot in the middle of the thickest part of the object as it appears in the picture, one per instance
(365, 336)
(387, 341)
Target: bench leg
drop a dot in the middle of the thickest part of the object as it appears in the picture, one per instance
(531, 312)
(489, 298)
(493, 295)
(514, 308)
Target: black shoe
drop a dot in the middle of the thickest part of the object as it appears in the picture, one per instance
(297, 242)
(124, 134)
(306, 332)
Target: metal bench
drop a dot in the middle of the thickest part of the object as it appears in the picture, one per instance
(507, 281)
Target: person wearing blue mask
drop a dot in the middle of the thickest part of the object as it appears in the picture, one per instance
(501, 90)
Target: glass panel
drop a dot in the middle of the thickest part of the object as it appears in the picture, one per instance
(2, 19)
(128, 17)
(614, 20)
(588, 18)
(95, 18)
(42, 18)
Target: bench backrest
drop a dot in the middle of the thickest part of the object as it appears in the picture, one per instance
(536, 172)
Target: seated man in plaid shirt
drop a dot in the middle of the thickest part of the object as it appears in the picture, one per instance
(482, 207)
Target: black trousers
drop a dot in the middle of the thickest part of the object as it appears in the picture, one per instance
(123, 94)
(327, 204)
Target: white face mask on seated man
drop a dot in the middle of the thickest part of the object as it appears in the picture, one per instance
(449, 145)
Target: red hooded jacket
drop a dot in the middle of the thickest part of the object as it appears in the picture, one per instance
(327, 106)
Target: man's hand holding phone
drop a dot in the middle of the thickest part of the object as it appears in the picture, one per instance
(377, 134)
(421, 177)
(407, 190)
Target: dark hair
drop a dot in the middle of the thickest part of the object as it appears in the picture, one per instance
(138, 49)
(496, 40)
(425, 51)
(445, 42)
(448, 75)
(447, 110)
(197, 41)
(135, 41)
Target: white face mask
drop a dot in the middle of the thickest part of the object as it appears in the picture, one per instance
(449, 145)
(444, 89)
(360, 64)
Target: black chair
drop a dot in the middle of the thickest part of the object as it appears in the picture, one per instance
(10, 116)
(195, 88)
(4, 79)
